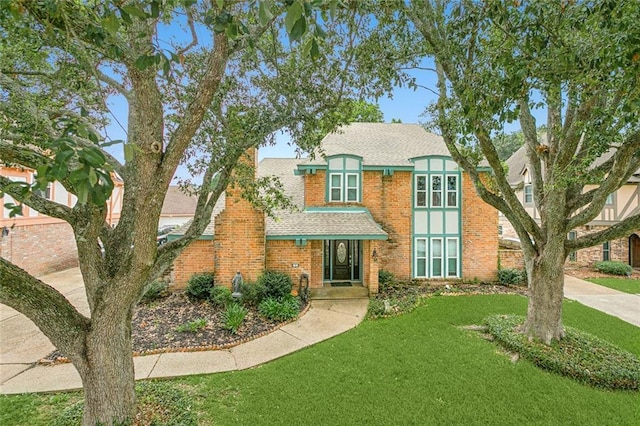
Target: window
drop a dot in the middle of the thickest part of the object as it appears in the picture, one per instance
(352, 187)
(421, 191)
(572, 236)
(335, 188)
(528, 194)
(452, 257)
(436, 257)
(421, 257)
(343, 179)
(606, 251)
(609, 201)
(436, 191)
(452, 191)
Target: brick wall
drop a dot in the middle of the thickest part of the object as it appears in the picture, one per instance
(388, 198)
(197, 257)
(40, 249)
(371, 265)
(285, 256)
(587, 256)
(619, 249)
(479, 235)
(314, 189)
(511, 259)
(239, 243)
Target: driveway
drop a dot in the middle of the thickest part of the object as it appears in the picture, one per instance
(613, 302)
(21, 342)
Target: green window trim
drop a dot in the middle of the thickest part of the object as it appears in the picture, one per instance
(344, 179)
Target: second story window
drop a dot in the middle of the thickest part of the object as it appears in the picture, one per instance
(335, 189)
(344, 177)
(609, 201)
(436, 191)
(528, 194)
(440, 190)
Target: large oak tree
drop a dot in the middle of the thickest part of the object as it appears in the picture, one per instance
(496, 62)
(202, 83)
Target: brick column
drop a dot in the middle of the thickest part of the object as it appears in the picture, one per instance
(239, 241)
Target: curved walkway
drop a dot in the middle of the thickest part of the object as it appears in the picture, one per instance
(22, 344)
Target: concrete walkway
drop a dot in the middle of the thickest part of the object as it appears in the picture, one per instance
(613, 302)
(22, 344)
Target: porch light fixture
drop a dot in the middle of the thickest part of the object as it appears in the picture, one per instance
(374, 255)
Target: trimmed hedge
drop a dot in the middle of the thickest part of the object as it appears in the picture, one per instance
(276, 284)
(512, 277)
(200, 285)
(614, 268)
(386, 279)
(579, 355)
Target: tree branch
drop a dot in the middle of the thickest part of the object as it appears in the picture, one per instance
(625, 163)
(45, 306)
(42, 205)
(216, 65)
(619, 230)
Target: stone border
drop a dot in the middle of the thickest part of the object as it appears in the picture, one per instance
(65, 360)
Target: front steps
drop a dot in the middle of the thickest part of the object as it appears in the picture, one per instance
(335, 293)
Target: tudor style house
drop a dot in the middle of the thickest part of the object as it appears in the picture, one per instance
(374, 196)
(621, 204)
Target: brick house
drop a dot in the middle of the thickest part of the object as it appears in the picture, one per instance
(621, 204)
(374, 196)
(38, 243)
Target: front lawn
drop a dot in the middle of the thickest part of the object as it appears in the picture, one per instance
(627, 285)
(419, 368)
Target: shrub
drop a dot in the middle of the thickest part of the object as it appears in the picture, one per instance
(159, 403)
(579, 355)
(283, 309)
(200, 285)
(156, 290)
(252, 293)
(233, 317)
(614, 268)
(220, 296)
(192, 326)
(386, 279)
(512, 277)
(277, 285)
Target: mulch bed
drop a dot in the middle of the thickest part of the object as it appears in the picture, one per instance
(154, 327)
(451, 288)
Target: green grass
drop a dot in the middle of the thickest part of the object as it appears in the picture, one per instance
(420, 368)
(621, 284)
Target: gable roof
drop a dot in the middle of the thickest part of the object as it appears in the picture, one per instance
(518, 162)
(380, 144)
(177, 203)
(319, 223)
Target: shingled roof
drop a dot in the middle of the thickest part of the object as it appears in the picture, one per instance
(519, 161)
(380, 144)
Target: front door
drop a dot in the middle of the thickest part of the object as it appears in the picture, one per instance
(634, 251)
(342, 260)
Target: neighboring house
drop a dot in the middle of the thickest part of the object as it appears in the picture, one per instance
(38, 243)
(620, 205)
(178, 207)
(375, 196)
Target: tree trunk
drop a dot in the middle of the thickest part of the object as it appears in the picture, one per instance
(107, 373)
(546, 287)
